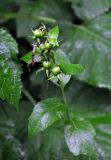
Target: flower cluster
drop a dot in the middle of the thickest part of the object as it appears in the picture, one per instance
(46, 42)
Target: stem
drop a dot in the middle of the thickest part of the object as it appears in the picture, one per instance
(27, 94)
(65, 100)
(18, 15)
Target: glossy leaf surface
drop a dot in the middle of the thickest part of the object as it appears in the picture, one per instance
(45, 113)
(80, 137)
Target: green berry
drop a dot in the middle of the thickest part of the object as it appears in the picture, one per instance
(38, 33)
(47, 45)
(42, 47)
(46, 64)
(56, 70)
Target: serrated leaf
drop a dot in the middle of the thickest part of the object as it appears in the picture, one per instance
(10, 82)
(28, 57)
(90, 45)
(71, 69)
(80, 137)
(45, 113)
(8, 46)
(10, 73)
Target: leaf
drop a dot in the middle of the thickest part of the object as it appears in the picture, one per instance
(12, 127)
(86, 9)
(45, 114)
(80, 137)
(55, 149)
(28, 57)
(8, 46)
(53, 35)
(54, 32)
(10, 73)
(93, 104)
(90, 45)
(71, 69)
(61, 57)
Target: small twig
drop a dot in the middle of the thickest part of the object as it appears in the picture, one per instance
(28, 95)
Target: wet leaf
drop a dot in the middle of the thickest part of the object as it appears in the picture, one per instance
(86, 9)
(90, 45)
(45, 113)
(80, 137)
(10, 73)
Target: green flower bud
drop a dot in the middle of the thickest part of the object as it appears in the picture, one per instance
(46, 64)
(56, 70)
(42, 47)
(47, 45)
(38, 33)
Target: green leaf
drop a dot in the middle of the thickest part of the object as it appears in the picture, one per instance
(28, 57)
(80, 137)
(93, 104)
(71, 69)
(53, 35)
(54, 32)
(10, 82)
(8, 46)
(10, 73)
(90, 45)
(86, 9)
(55, 149)
(45, 113)
(61, 57)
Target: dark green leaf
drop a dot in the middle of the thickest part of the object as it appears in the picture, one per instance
(71, 69)
(10, 82)
(8, 46)
(53, 146)
(90, 45)
(93, 104)
(10, 73)
(80, 137)
(45, 114)
(86, 9)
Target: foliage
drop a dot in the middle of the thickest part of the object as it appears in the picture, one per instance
(70, 54)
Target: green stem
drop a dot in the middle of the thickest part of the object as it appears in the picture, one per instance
(65, 100)
(18, 15)
(27, 94)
